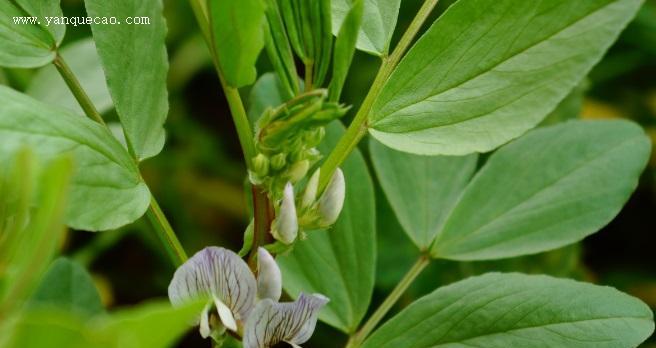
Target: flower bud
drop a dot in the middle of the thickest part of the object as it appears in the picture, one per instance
(311, 188)
(269, 279)
(314, 137)
(331, 202)
(285, 226)
(261, 165)
(278, 161)
(298, 170)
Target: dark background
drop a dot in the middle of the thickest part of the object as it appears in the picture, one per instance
(199, 177)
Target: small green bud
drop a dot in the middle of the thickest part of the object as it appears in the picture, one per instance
(261, 165)
(315, 136)
(285, 226)
(278, 161)
(298, 170)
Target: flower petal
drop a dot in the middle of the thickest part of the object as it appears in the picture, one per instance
(204, 328)
(271, 323)
(215, 273)
(332, 200)
(269, 278)
(225, 314)
(285, 226)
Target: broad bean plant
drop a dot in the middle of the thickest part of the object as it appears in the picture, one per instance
(479, 80)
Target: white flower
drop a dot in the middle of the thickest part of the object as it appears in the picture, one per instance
(285, 226)
(224, 279)
(332, 200)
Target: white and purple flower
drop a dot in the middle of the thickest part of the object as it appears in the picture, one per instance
(244, 304)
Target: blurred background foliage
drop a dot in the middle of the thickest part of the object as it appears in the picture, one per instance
(199, 177)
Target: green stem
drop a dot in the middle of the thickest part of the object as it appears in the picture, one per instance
(77, 90)
(309, 71)
(239, 117)
(358, 127)
(235, 103)
(200, 11)
(165, 233)
(358, 338)
(155, 215)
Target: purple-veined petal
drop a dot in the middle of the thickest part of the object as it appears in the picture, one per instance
(269, 278)
(216, 274)
(271, 323)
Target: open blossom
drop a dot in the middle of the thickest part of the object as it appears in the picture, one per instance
(243, 303)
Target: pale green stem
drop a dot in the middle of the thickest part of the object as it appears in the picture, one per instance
(358, 338)
(358, 127)
(237, 110)
(165, 233)
(155, 215)
(77, 90)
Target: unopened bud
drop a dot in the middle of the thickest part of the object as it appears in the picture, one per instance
(269, 279)
(332, 200)
(310, 193)
(314, 137)
(285, 226)
(298, 170)
(278, 161)
(261, 165)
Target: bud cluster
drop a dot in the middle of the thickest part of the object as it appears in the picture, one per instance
(286, 140)
(308, 212)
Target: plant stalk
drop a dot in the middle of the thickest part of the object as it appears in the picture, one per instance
(358, 127)
(165, 233)
(358, 338)
(155, 215)
(263, 215)
(77, 90)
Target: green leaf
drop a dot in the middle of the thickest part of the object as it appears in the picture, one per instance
(68, 286)
(238, 37)
(26, 44)
(280, 51)
(569, 108)
(339, 263)
(422, 190)
(135, 62)
(154, 325)
(31, 228)
(552, 187)
(81, 56)
(107, 191)
(344, 49)
(267, 92)
(378, 26)
(488, 71)
(515, 310)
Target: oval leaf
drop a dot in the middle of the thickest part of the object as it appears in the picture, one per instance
(422, 190)
(238, 37)
(104, 173)
(68, 286)
(487, 71)
(515, 310)
(135, 62)
(81, 56)
(550, 188)
(377, 27)
(339, 263)
(27, 39)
